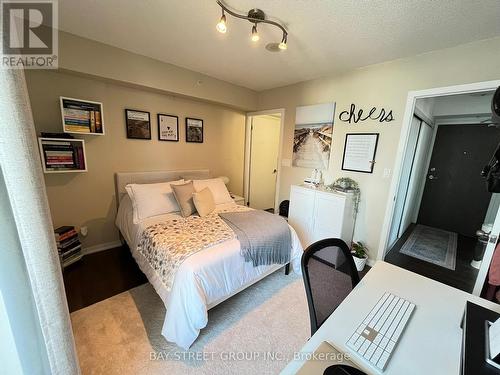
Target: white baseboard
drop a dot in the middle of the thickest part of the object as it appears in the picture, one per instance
(101, 247)
(371, 262)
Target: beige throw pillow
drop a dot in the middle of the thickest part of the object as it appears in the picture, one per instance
(184, 196)
(204, 202)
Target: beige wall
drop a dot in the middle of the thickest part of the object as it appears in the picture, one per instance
(85, 56)
(384, 85)
(88, 198)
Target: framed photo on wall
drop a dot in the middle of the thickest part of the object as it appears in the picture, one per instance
(194, 130)
(359, 152)
(138, 124)
(168, 128)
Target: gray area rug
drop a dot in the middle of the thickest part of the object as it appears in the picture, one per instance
(432, 245)
(255, 332)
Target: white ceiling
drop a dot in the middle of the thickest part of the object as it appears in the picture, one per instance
(326, 36)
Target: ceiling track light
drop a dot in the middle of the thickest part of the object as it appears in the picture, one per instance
(221, 26)
(254, 16)
(255, 34)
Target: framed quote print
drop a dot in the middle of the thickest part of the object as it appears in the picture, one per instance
(359, 152)
(168, 128)
(194, 130)
(138, 124)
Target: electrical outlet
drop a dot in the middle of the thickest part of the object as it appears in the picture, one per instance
(387, 172)
(84, 231)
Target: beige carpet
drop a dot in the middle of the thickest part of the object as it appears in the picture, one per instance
(254, 332)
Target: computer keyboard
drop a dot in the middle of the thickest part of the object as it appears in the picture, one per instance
(375, 339)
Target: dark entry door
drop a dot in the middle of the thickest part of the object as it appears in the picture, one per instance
(455, 197)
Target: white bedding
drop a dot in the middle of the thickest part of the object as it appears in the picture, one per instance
(202, 281)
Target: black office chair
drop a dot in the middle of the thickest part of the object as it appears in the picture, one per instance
(329, 276)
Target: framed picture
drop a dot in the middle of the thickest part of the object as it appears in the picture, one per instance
(313, 135)
(81, 116)
(138, 124)
(194, 130)
(168, 128)
(359, 152)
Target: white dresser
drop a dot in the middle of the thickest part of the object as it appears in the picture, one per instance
(316, 214)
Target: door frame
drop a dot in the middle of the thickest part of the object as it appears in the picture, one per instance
(402, 146)
(248, 139)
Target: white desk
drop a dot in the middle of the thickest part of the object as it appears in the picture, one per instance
(431, 342)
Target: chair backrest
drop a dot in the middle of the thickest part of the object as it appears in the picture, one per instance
(329, 276)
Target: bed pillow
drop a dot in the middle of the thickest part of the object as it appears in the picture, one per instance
(217, 188)
(184, 196)
(152, 199)
(204, 202)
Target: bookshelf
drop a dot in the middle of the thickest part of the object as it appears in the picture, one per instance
(82, 116)
(62, 155)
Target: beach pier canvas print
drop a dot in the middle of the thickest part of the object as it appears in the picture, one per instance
(313, 135)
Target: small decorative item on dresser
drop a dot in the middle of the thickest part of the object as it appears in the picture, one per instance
(194, 130)
(168, 128)
(359, 255)
(138, 124)
(68, 245)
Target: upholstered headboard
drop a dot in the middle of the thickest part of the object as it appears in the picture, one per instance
(122, 179)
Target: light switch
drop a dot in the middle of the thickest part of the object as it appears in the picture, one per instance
(387, 172)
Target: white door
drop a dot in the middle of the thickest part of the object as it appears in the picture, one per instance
(417, 179)
(403, 182)
(264, 148)
(488, 254)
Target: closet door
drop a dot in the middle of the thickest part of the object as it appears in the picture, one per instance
(301, 213)
(328, 216)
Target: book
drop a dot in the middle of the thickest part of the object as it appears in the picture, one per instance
(56, 135)
(68, 243)
(67, 234)
(92, 121)
(63, 229)
(71, 252)
(98, 124)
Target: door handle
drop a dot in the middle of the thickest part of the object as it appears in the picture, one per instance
(431, 177)
(275, 171)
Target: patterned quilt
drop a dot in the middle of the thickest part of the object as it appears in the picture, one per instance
(166, 245)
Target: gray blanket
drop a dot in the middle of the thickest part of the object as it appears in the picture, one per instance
(265, 238)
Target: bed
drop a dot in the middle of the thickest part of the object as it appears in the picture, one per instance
(203, 280)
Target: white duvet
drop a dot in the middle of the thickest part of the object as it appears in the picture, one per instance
(202, 281)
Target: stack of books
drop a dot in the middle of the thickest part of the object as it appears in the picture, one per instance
(62, 155)
(68, 245)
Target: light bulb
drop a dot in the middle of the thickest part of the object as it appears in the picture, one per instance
(255, 34)
(221, 26)
(282, 45)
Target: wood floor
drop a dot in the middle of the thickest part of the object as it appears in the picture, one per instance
(104, 274)
(99, 276)
(464, 275)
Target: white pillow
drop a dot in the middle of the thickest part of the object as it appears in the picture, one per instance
(152, 199)
(217, 187)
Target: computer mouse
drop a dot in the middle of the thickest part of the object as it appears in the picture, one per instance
(342, 370)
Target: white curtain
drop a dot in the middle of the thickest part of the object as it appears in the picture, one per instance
(20, 162)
